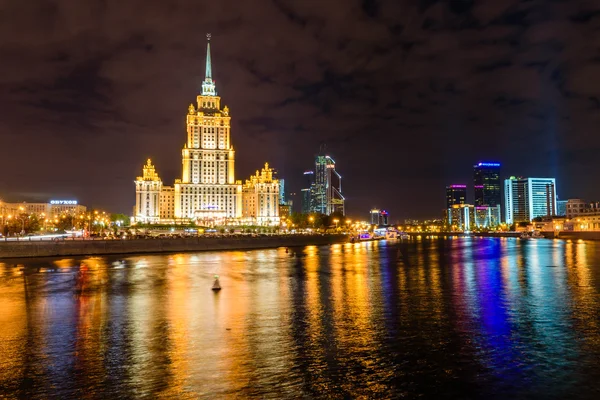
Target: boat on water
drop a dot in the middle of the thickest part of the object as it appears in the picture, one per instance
(532, 235)
(216, 285)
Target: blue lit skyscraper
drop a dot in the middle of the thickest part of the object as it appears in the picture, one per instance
(282, 199)
(487, 185)
(326, 193)
(528, 198)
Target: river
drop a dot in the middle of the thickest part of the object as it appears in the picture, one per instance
(430, 318)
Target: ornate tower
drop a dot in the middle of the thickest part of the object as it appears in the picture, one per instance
(260, 198)
(147, 195)
(207, 189)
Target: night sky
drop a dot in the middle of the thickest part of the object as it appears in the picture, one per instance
(406, 95)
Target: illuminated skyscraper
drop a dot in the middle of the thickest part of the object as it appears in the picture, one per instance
(528, 198)
(307, 197)
(282, 199)
(374, 213)
(455, 194)
(487, 185)
(327, 195)
(207, 189)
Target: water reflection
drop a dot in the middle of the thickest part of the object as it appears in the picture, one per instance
(455, 318)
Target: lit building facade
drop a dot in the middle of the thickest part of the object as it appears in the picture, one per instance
(207, 191)
(487, 185)
(488, 217)
(461, 217)
(148, 189)
(456, 194)
(307, 192)
(326, 193)
(52, 209)
(167, 203)
(260, 198)
(384, 218)
(528, 198)
(561, 208)
(374, 214)
(584, 222)
(577, 207)
(282, 199)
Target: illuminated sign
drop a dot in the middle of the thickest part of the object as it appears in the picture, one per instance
(458, 186)
(487, 164)
(63, 202)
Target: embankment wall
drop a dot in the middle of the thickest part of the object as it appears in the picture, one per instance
(26, 249)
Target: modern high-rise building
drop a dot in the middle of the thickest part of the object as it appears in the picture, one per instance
(528, 198)
(487, 185)
(282, 199)
(374, 214)
(455, 194)
(384, 218)
(327, 189)
(307, 191)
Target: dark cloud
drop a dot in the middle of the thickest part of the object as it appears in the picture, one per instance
(407, 95)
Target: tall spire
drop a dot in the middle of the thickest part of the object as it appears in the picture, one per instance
(208, 66)
(208, 86)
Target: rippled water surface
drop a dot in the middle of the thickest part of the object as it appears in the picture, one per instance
(462, 318)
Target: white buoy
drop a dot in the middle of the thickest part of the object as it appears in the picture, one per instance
(216, 285)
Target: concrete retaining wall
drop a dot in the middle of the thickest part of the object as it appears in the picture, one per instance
(579, 235)
(102, 247)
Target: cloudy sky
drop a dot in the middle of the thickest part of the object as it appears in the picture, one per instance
(406, 95)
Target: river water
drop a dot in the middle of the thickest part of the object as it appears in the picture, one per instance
(431, 318)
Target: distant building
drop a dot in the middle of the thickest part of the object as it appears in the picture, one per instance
(306, 198)
(284, 211)
(307, 192)
(528, 198)
(282, 199)
(487, 185)
(327, 195)
(456, 194)
(374, 213)
(52, 209)
(384, 218)
(561, 208)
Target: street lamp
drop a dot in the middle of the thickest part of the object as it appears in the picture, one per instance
(336, 222)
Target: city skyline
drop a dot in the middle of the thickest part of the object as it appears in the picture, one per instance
(80, 98)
